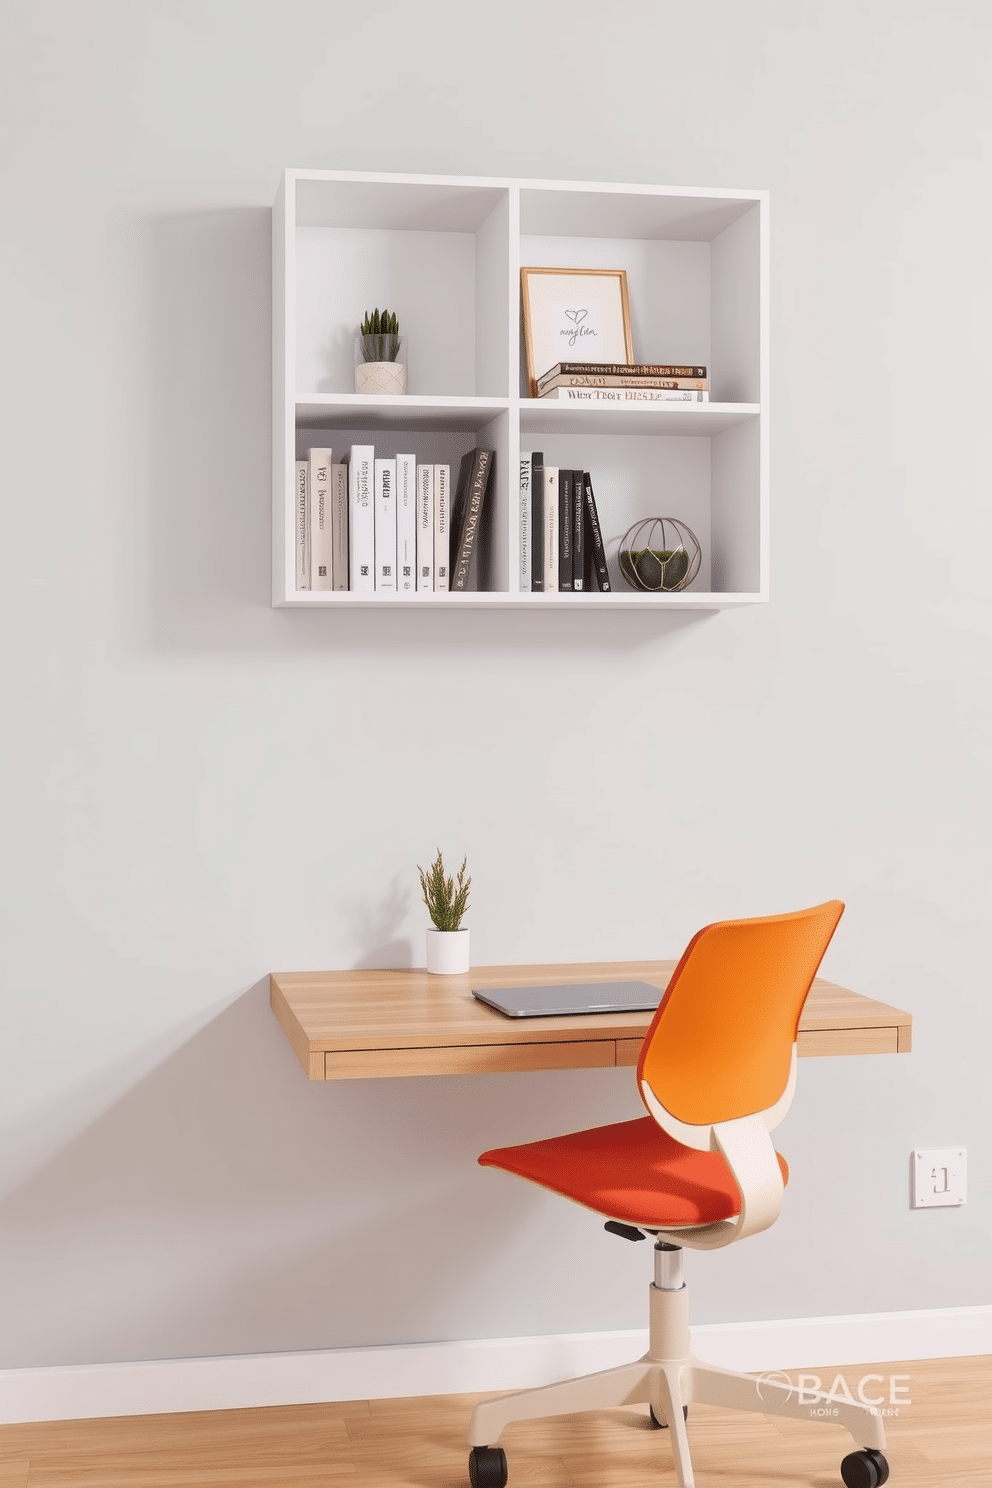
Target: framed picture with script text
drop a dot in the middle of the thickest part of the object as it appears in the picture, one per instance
(574, 315)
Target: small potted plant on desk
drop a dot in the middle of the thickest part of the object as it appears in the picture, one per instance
(447, 901)
(380, 354)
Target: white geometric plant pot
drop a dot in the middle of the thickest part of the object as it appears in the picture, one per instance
(385, 369)
(380, 377)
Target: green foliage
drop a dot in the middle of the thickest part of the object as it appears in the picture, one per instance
(380, 324)
(446, 900)
(654, 568)
(380, 336)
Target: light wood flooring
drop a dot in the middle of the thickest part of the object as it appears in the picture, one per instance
(943, 1439)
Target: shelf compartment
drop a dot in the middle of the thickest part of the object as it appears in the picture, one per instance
(441, 434)
(693, 264)
(644, 473)
(435, 251)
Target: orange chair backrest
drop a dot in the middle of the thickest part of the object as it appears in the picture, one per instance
(720, 1044)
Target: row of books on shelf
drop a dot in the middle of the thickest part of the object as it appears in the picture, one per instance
(618, 382)
(561, 543)
(379, 525)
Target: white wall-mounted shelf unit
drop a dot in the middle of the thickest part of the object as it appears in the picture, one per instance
(446, 253)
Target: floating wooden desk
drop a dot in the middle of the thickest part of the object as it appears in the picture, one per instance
(355, 1025)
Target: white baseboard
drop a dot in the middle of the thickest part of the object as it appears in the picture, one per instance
(861, 1338)
(167, 1385)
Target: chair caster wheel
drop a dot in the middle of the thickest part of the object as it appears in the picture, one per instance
(487, 1467)
(661, 1425)
(865, 1469)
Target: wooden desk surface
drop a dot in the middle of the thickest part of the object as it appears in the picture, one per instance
(352, 1025)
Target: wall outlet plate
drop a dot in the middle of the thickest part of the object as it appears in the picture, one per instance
(940, 1177)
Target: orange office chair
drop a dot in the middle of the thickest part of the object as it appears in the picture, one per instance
(716, 1072)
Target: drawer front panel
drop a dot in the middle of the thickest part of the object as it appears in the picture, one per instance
(478, 1059)
(849, 1041)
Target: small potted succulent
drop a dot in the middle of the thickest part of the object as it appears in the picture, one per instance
(380, 354)
(447, 900)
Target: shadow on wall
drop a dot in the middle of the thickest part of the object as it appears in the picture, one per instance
(226, 1205)
(206, 568)
(203, 581)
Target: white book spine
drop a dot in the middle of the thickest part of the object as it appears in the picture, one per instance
(525, 505)
(551, 529)
(406, 522)
(361, 518)
(339, 526)
(319, 488)
(385, 526)
(425, 527)
(442, 538)
(302, 527)
(627, 395)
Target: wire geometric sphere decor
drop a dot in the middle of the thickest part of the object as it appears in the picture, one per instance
(660, 555)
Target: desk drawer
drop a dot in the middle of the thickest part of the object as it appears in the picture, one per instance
(814, 1041)
(468, 1059)
(819, 1041)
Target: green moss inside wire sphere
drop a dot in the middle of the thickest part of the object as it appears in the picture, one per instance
(659, 555)
(655, 568)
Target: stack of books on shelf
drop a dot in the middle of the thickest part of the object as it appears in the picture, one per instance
(561, 544)
(388, 526)
(615, 382)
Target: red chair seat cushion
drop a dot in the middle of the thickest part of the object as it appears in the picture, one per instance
(631, 1171)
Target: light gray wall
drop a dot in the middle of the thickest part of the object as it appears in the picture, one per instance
(198, 789)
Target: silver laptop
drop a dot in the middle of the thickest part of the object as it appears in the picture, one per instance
(574, 997)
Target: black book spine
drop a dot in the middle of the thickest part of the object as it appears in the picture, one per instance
(565, 531)
(578, 529)
(537, 521)
(471, 516)
(594, 539)
(484, 541)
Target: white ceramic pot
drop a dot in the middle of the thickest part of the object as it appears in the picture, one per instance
(381, 377)
(447, 952)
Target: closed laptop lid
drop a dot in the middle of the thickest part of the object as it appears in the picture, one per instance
(571, 997)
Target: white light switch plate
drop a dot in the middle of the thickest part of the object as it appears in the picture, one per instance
(940, 1177)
